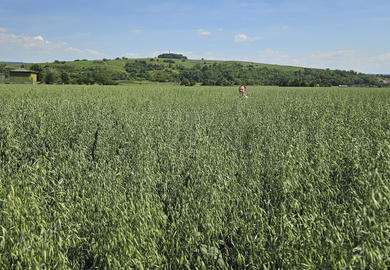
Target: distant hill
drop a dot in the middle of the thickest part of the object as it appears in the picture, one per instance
(13, 63)
(176, 68)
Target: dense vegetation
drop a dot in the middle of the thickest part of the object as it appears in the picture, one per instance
(175, 68)
(172, 55)
(95, 177)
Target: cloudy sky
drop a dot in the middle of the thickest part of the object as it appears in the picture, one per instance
(336, 34)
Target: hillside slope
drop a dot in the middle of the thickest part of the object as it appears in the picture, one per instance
(191, 72)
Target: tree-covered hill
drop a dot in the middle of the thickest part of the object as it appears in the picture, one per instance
(176, 68)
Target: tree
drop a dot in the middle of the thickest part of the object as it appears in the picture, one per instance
(3, 69)
(102, 77)
(51, 76)
(84, 78)
(39, 69)
(222, 82)
(65, 77)
(185, 82)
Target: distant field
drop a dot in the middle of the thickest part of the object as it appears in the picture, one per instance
(193, 177)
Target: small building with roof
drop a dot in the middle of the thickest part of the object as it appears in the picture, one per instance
(22, 75)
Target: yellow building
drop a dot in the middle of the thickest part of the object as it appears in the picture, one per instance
(22, 75)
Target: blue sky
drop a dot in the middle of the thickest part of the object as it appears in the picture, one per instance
(342, 34)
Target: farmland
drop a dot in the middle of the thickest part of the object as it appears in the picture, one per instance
(172, 177)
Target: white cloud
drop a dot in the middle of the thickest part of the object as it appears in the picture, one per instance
(344, 59)
(38, 38)
(157, 53)
(29, 48)
(296, 61)
(285, 27)
(3, 30)
(24, 41)
(94, 52)
(240, 38)
(340, 59)
(203, 32)
(244, 38)
(137, 31)
(336, 59)
(331, 56)
(270, 56)
(131, 55)
(79, 51)
(73, 50)
(380, 58)
(189, 54)
(273, 53)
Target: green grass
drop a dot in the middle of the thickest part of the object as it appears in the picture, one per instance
(193, 177)
(114, 65)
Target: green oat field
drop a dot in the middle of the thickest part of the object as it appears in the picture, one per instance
(169, 177)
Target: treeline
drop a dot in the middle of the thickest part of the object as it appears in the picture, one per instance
(172, 56)
(233, 74)
(68, 74)
(226, 74)
(178, 69)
